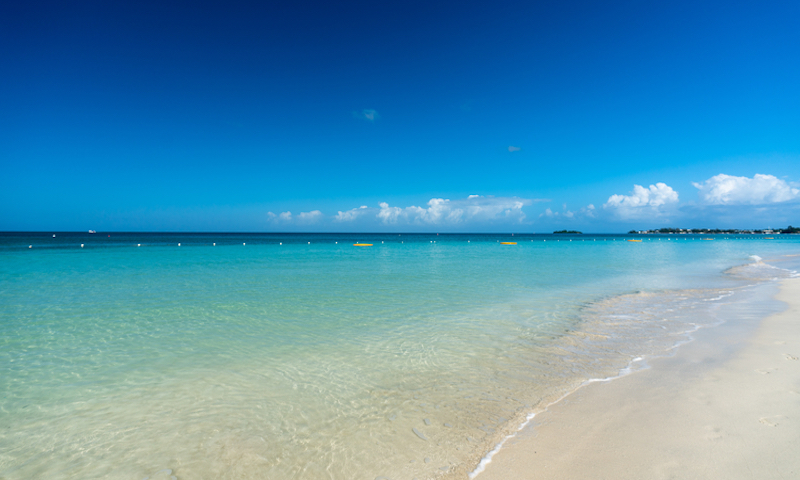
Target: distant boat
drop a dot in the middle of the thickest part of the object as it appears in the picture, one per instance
(90, 231)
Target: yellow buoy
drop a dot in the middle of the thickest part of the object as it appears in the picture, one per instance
(633, 240)
(362, 244)
(508, 243)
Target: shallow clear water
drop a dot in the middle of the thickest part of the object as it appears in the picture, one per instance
(265, 356)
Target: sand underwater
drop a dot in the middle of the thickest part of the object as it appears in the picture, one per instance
(303, 357)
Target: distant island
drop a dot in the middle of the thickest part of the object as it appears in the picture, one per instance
(706, 231)
(568, 231)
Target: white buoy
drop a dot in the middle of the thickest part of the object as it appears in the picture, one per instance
(281, 243)
(30, 246)
(54, 235)
(179, 244)
(214, 244)
(381, 241)
(309, 243)
(138, 244)
(337, 243)
(243, 244)
(81, 245)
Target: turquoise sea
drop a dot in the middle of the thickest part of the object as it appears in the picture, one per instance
(301, 356)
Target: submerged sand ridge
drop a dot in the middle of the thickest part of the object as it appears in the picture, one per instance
(725, 406)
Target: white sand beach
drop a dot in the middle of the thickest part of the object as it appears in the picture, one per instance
(725, 406)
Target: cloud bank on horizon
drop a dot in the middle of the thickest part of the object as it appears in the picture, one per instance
(726, 196)
(475, 210)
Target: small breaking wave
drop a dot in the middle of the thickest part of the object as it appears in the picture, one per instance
(758, 270)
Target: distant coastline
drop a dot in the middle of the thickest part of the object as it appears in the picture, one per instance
(710, 231)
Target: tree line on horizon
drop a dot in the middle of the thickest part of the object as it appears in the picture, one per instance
(789, 229)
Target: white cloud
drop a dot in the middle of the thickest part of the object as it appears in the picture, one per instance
(587, 211)
(439, 210)
(730, 190)
(282, 217)
(367, 114)
(643, 201)
(310, 217)
(657, 195)
(313, 216)
(442, 211)
(475, 210)
(512, 148)
(389, 214)
(351, 214)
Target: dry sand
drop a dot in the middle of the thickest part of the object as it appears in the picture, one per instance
(726, 406)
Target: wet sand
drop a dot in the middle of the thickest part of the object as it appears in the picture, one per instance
(725, 406)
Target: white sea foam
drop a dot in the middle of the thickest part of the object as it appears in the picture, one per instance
(488, 457)
(720, 297)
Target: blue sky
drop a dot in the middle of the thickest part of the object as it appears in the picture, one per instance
(456, 116)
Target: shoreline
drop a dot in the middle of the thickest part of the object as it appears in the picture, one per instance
(707, 314)
(686, 416)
